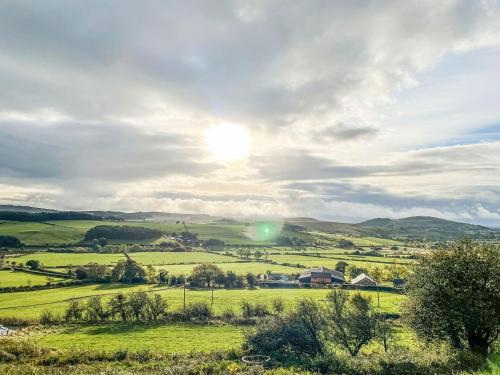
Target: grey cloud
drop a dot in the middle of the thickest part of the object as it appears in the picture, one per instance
(344, 132)
(299, 165)
(94, 59)
(95, 152)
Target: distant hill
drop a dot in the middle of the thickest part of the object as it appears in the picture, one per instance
(428, 227)
(416, 227)
(9, 207)
(157, 216)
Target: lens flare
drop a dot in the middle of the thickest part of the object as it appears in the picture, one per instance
(264, 231)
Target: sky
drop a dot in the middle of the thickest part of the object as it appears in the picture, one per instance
(337, 110)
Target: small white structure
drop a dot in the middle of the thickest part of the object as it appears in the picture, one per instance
(4, 331)
(363, 280)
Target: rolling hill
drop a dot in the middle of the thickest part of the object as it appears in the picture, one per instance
(416, 227)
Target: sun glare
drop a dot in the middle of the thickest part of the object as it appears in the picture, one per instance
(228, 142)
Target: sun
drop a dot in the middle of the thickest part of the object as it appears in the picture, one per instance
(228, 142)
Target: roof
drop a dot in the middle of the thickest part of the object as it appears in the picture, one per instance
(332, 273)
(363, 276)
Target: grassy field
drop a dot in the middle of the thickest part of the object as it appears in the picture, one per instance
(240, 268)
(10, 279)
(145, 258)
(331, 261)
(178, 338)
(31, 304)
(72, 231)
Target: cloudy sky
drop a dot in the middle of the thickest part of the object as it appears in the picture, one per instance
(340, 110)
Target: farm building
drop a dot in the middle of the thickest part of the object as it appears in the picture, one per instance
(398, 283)
(277, 277)
(363, 280)
(321, 276)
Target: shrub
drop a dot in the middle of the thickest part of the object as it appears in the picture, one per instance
(198, 311)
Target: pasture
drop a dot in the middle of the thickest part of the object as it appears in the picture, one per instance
(178, 338)
(9, 279)
(239, 268)
(31, 304)
(71, 232)
(146, 258)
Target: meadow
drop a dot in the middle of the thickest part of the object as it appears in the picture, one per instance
(31, 304)
(48, 259)
(9, 279)
(71, 232)
(178, 338)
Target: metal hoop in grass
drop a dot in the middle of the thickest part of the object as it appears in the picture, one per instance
(256, 360)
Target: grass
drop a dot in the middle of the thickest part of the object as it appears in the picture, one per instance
(10, 279)
(31, 304)
(178, 338)
(145, 258)
(239, 268)
(63, 232)
(332, 260)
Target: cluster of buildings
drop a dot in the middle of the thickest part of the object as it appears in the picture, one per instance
(323, 276)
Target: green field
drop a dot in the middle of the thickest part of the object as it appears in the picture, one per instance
(240, 268)
(62, 232)
(10, 279)
(178, 338)
(331, 261)
(31, 304)
(145, 258)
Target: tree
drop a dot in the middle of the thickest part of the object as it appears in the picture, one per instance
(344, 244)
(128, 271)
(230, 280)
(155, 307)
(33, 264)
(151, 274)
(251, 279)
(341, 266)
(454, 296)
(163, 276)
(118, 305)
(74, 312)
(95, 310)
(204, 274)
(385, 332)
(137, 303)
(352, 320)
(258, 254)
(10, 241)
(278, 306)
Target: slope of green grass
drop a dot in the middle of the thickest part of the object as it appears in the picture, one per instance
(238, 268)
(73, 231)
(10, 279)
(178, 338)
(31, 304)
(145, 258)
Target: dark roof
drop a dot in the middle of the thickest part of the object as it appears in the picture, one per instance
(322, 270)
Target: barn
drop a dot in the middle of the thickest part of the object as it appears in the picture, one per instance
(321, 276)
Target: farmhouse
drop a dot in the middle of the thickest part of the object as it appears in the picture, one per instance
(363, 280)
(321, 276)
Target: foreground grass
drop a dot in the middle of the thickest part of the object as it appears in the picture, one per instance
(172, 338)
(10, 279)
